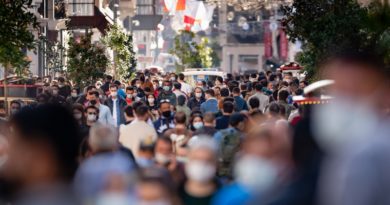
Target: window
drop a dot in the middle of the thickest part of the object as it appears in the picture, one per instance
(145, 7)
(81, 7)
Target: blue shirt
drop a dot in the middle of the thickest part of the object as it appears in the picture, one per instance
(232, 195)
(210, 105)
(240, 104)
(222, 122)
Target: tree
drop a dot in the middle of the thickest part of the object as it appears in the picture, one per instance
(16, 25)
(124, 55)
(52, 52)
(87, 62)
(191, 53)
(327, 27)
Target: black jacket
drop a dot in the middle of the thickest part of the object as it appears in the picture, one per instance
(193, 103)
(122, 104)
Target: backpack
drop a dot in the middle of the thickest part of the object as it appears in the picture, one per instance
(229, 146)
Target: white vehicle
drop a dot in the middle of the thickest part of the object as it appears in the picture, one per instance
(194, 75)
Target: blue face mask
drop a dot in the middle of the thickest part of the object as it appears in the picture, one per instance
(167, 88)
(144, 162)
(198, 125)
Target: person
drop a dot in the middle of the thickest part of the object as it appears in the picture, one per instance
(106, 86)
(56, 98)
(166, 120)
(72, 98)
(15, 106)
(78, 114)
(64, 89)
(222, 122)
(177, 90)
(179, 134)
(229, 142)
(42, 99)
(105, 116)
(167, 93)
(263, 99)
(131, 95)
(254, 104)
(208, 128)
(225, 93)
(165, 158)
(133, 134)
(196, 121)
(185, 87)
(83, 99)
(145, 154)
(95, 173)
(49, 137)
(129, 114)
(151, 102)
(197, 99)
(200, 169)
(181, 107)
(211, 103)
(239, 102)
(117, 105)
(282, 100)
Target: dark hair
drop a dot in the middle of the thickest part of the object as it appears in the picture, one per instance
(220, 79)
(117, 82)
(208, 117)
(181, 100)
(95, 93)
(129, 88)
(177, 86)
(210, 92)
(129, 111)
(225, 92)
(141, 110)
(114, 86)
(164, 139)
(259, 87)
(274, 108)
(89, 88)
(54, 126)
(228, 99)
(108, 77)
(92, 107)
(16, 102)
(283, 95)
(236, 90)
(181, 76)
(147, 89)
(78, 106)
(137, 104)
(254, 102)
(180, 118)
(228, 107)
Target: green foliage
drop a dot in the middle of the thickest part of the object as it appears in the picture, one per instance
(52, 52)
(86, 61)
(122, 45)
(16, 25)
(326, 27)
(191, 53)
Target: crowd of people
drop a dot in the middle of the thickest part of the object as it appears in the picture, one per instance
(158, 140)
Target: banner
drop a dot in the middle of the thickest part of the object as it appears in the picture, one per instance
(283, 45)
(267, 41)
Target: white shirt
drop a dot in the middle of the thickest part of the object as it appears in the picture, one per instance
(264, 100)
(186, 88)
(105, 116)
(114, 111)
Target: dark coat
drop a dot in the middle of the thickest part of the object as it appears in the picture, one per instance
(122, 105)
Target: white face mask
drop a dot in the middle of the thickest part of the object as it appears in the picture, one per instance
(162, 158)
(200, 171)
(198, 125)
(91, 118)
(114, 94)
(129, 96)
(343, 122)
(151, 100)
(255, 174)
(74, 95)
(198, 95)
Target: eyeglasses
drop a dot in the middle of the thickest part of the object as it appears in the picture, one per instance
(165, 101)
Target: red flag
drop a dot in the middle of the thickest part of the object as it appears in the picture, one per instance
(283, 45)
(189, 20)
(267, 41)
(181, 5)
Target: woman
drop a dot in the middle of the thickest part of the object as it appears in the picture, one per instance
(78, 113)
(72, 98)
(196, 121)
(151, 102)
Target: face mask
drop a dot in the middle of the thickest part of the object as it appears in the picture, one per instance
(255, 174)
(14, 111)
(173, 78)
(154, 202)
(198, 125)
(200, 171)
(198, 95)
(61, 86)
(342, 122)
(162, 158)
(55, 92)
(91, 118)
(129, 96)
(181, 159)
(151, 100)
(166, 114)
(93, 102)
(74, 95)
(167, 88)
(144, 162)
(114, 94)
(78, 116)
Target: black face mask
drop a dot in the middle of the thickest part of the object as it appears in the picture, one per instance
(166, 114)
(93, 102)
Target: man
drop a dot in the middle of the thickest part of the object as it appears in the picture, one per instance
(209, 126)
(16, 105)
(229, 141)
(44, 139)
(167, 93)
(56, 98)
(185, 87)
(197, 99)
(211, 104)
(239, 102)
(177, 90)
(64, 89)
(282, 100)
(83, 98)
(131, 95)
(105, 116)
(133, 134)
(264, 99)
(107, 160)
(117, 105)
(107, 84)
(223, 121)
(166, 120)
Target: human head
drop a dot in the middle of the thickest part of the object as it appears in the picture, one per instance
(237, 120)
(274, 109)
(142, 113)
(209, 94)
(177, 86)
(236, 91)
(108, 78)
(15, 106)
(93, 97)
(167, 86)
(180, 118)
(78, 112)
(228, 108)
(165, 106)
(209, 120)
(92, 114)
(198, 92)
(283, 95)
(218, 81)
(196, 121)
(42, 98)
(225, 92)
(103, 138)
(130, 92)
(74, 92)
(114, 91)
(259, 87)
(181, 100)
(181, 77)
(254, 103)
(49, 138)
(55, 90)
(129, 113)
(151, 99)
(303, 84)
(163, 150)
